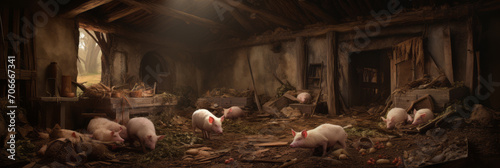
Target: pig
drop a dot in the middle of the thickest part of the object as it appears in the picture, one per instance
(206, 122)
(304, 97)
(233, 112)
(99, 122)
(75, 137)
(396, 115)
(104, 134)
(143, 130)
(422, 116)
(325, 135)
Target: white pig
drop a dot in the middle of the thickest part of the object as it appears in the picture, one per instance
(233, 112)
(99, 122)
(396, 115)
(325, 135)
(104, 134)
(206, 122)
(304, 97)
(143, 130)
(422, 116)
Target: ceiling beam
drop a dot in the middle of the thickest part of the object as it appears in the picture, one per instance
(85, 6)
(270, 16)
(314, 9)
(188, 18)
(127, 33)
(117, 14)
(414, 17)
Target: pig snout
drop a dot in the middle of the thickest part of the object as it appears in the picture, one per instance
(293, 145)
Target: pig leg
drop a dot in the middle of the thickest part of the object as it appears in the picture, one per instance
(342, 143)
(325, 144)
(143, 146)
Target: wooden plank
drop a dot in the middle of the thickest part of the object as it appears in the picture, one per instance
(331, 74)
(267, 14)
(85, 6)
(270, 144)
(469, 65)
(117, 14)
(448, 59)
(301, 63)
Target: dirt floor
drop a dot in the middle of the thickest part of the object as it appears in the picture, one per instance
(240, 136)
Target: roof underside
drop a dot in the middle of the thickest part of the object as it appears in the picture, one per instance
(198, 22)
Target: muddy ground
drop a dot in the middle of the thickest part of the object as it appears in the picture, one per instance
(239, 138)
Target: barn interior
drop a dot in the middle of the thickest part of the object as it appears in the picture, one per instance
(359, 63)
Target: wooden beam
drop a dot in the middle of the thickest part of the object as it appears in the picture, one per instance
(115, 15)
(269, 15)
(85, 6)
(301, 63)
(448, 58)
(242, 20)
(188, 18)
(469, 65)
(311, 7)
(407, 18)
(122, 31)
(331, 73)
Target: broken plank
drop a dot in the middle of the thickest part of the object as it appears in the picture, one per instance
(448, 63)
(270, 144)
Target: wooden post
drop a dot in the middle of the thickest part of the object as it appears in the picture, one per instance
(469, 68)
(257, 101)
(331, 73)
(448, 63)
(301, 63)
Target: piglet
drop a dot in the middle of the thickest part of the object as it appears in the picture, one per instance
(304, 97)
(99, 122)
(422, 116)
(396, 115)
(233, 112)
(104, 134)
(143, 130)
(325, 135)
(75, 137)
(206, 122)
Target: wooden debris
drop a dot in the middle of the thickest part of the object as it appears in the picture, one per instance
(270, 144)
(292, 162)
(428, 99)
(261, 160)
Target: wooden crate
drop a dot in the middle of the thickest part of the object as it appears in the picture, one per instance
(119, 109)
(440, 96)
(304, 108)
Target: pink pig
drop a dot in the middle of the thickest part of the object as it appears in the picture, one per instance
(304, 97)
(142, 129)
(325, 135)
(233, 112)
(422, 116)
(206, 122)
(396, 115)
(104, 134)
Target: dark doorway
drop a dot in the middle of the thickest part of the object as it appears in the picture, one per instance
(369, 77)
(154, 69)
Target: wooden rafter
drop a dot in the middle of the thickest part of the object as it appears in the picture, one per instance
(115, 15)
(400, 19)
(125, 32)
(314, 9)
(85, 6)
(187, 17)
(238, 16)
(270, 16)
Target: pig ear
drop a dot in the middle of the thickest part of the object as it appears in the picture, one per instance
(150, 137)
(385, 120)
(392, 119)
(423, 115)
(304, 134)
(210, 120)
(112, 133)
(222, 118)
(414, 111)
(230, 110)
(293, 132)
(160, 137)
(73, 134)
